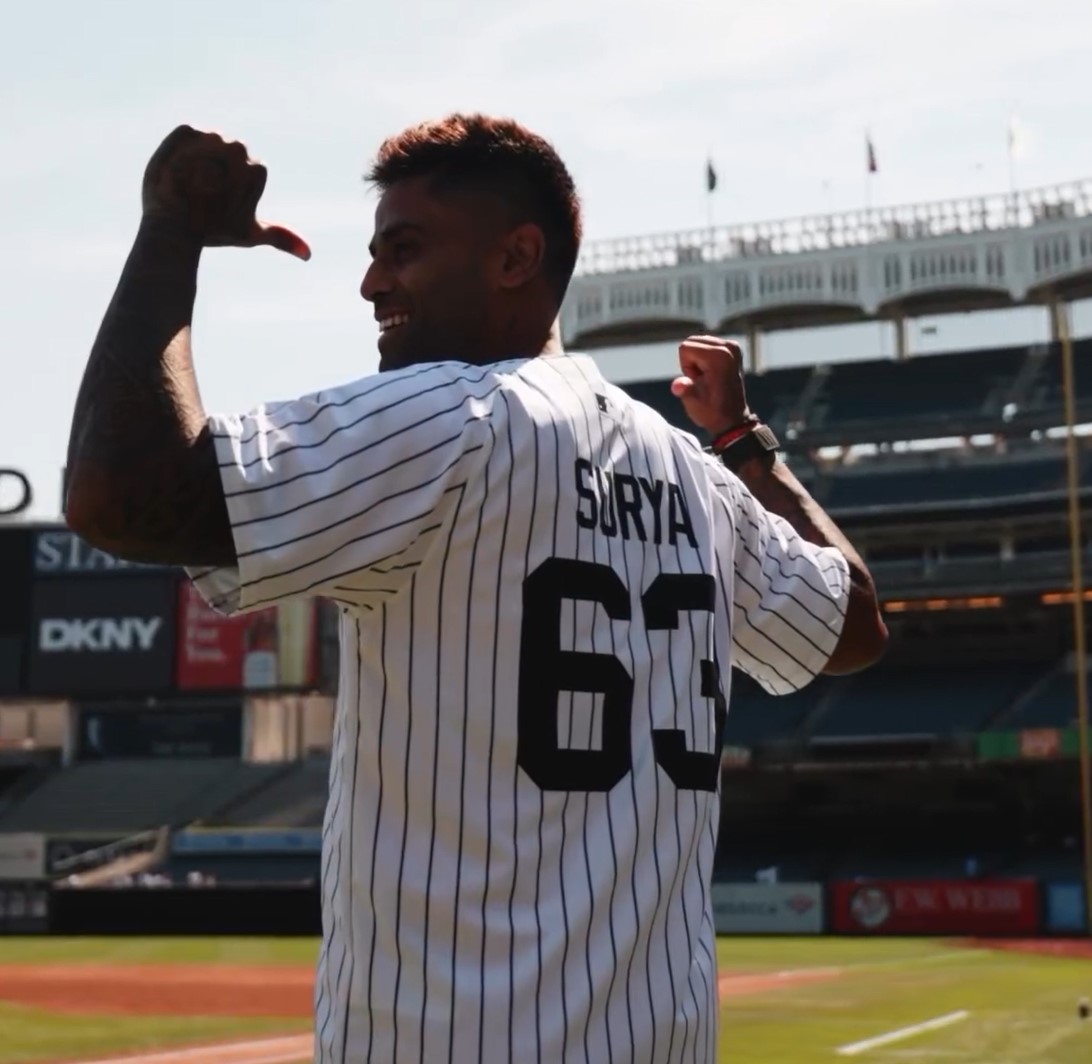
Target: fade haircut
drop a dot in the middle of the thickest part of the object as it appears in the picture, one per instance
(498, 156)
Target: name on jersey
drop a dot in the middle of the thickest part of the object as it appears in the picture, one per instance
(618, 504)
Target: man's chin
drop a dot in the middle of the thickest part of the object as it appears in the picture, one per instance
(393, 353)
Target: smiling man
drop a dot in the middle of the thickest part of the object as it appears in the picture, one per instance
(543, 589)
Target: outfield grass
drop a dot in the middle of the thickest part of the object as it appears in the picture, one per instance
(1023, 1009)
(35, 1035)
(46, 950)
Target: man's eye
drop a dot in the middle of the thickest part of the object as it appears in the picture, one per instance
(403, 251)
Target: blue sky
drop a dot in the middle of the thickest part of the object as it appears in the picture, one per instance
(634, 94)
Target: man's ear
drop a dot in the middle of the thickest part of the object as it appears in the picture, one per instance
(522, 252)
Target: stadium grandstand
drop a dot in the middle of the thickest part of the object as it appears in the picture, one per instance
(956, 756)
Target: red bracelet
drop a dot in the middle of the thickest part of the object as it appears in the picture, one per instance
(726, 439)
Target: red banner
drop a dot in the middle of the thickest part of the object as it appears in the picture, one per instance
(269, 649)
(937, 907)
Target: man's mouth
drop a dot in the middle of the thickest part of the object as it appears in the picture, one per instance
(392, 322)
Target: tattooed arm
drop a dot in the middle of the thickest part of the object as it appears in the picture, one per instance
(143, 475)
(143, 478)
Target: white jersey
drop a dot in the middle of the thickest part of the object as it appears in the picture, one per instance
(543, 587)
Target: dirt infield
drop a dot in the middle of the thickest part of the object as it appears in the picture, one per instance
(1080, 948)
(230, 990)
(292, 1050)
(161, 989)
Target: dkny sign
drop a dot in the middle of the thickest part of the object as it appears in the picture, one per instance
(91, 636)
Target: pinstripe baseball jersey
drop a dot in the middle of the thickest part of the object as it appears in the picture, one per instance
(543, 587)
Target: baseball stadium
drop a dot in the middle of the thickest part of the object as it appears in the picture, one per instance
(903, 863)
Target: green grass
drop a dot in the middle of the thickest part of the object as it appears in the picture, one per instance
(45, 950)
(1023, 1008)
(35, 1035)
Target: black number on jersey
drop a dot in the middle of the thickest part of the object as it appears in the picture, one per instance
(546, 670)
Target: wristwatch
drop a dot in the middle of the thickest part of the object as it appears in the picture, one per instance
(752, 440)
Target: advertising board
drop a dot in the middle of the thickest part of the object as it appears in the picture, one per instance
(1065, 908)
(190, 730)
(270, 649)
(94, 636)
(22, 857)
(16, 494)
(60, 552)
(936, 907)
(15, 579)
(24, 908)
(768, 908)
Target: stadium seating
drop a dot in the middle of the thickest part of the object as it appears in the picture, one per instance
(1047, 388)
(131, 796)
(295, 798)
(922, 388)
(879, 486)
(776, 394)
(755, 717)
(936, 701)
(1052, 704)
(920, 395)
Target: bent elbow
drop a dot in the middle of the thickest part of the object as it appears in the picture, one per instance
(859, 647)
(93, 516)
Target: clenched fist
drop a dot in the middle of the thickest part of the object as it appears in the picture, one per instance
(711, 387)
(211, 186)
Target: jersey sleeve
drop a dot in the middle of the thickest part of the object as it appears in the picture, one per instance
(342, 494)
(789, 596)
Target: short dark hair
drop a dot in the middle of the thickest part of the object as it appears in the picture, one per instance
(499, 156)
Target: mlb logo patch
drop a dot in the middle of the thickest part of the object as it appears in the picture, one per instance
(605, 406)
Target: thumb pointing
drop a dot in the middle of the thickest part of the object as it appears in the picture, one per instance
(283, 239)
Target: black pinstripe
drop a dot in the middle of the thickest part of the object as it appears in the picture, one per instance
(435, 766)
(378, 819)
(351, 950)
(584, 405)
(405, 820)
(385, 473)
(515, 807)
(489, 783)
(372, 385)
(709, 621)
(366, 416)
(462, 773)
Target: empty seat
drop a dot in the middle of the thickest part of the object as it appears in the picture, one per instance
(1054, 705)
(129, 796)
(931, 701)
(887, 486)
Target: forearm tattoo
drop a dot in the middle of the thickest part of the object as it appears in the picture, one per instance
(142, 468)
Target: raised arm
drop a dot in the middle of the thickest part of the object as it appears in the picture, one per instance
(143, 476)
(712, 392)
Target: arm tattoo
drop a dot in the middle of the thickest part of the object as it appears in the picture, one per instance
(143, 478)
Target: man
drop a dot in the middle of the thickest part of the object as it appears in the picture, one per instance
(543, 587)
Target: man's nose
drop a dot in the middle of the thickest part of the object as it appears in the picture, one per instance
(375, 283)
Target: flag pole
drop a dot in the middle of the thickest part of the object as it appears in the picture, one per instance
(1061, 328)
(1013, 205)
(710, 188)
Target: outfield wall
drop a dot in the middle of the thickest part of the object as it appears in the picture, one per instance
(271, 886)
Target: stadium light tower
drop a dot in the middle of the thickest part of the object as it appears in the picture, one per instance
(1061, 330)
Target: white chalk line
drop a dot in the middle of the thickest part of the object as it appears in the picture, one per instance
(288, 1050)
(854, 1048)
